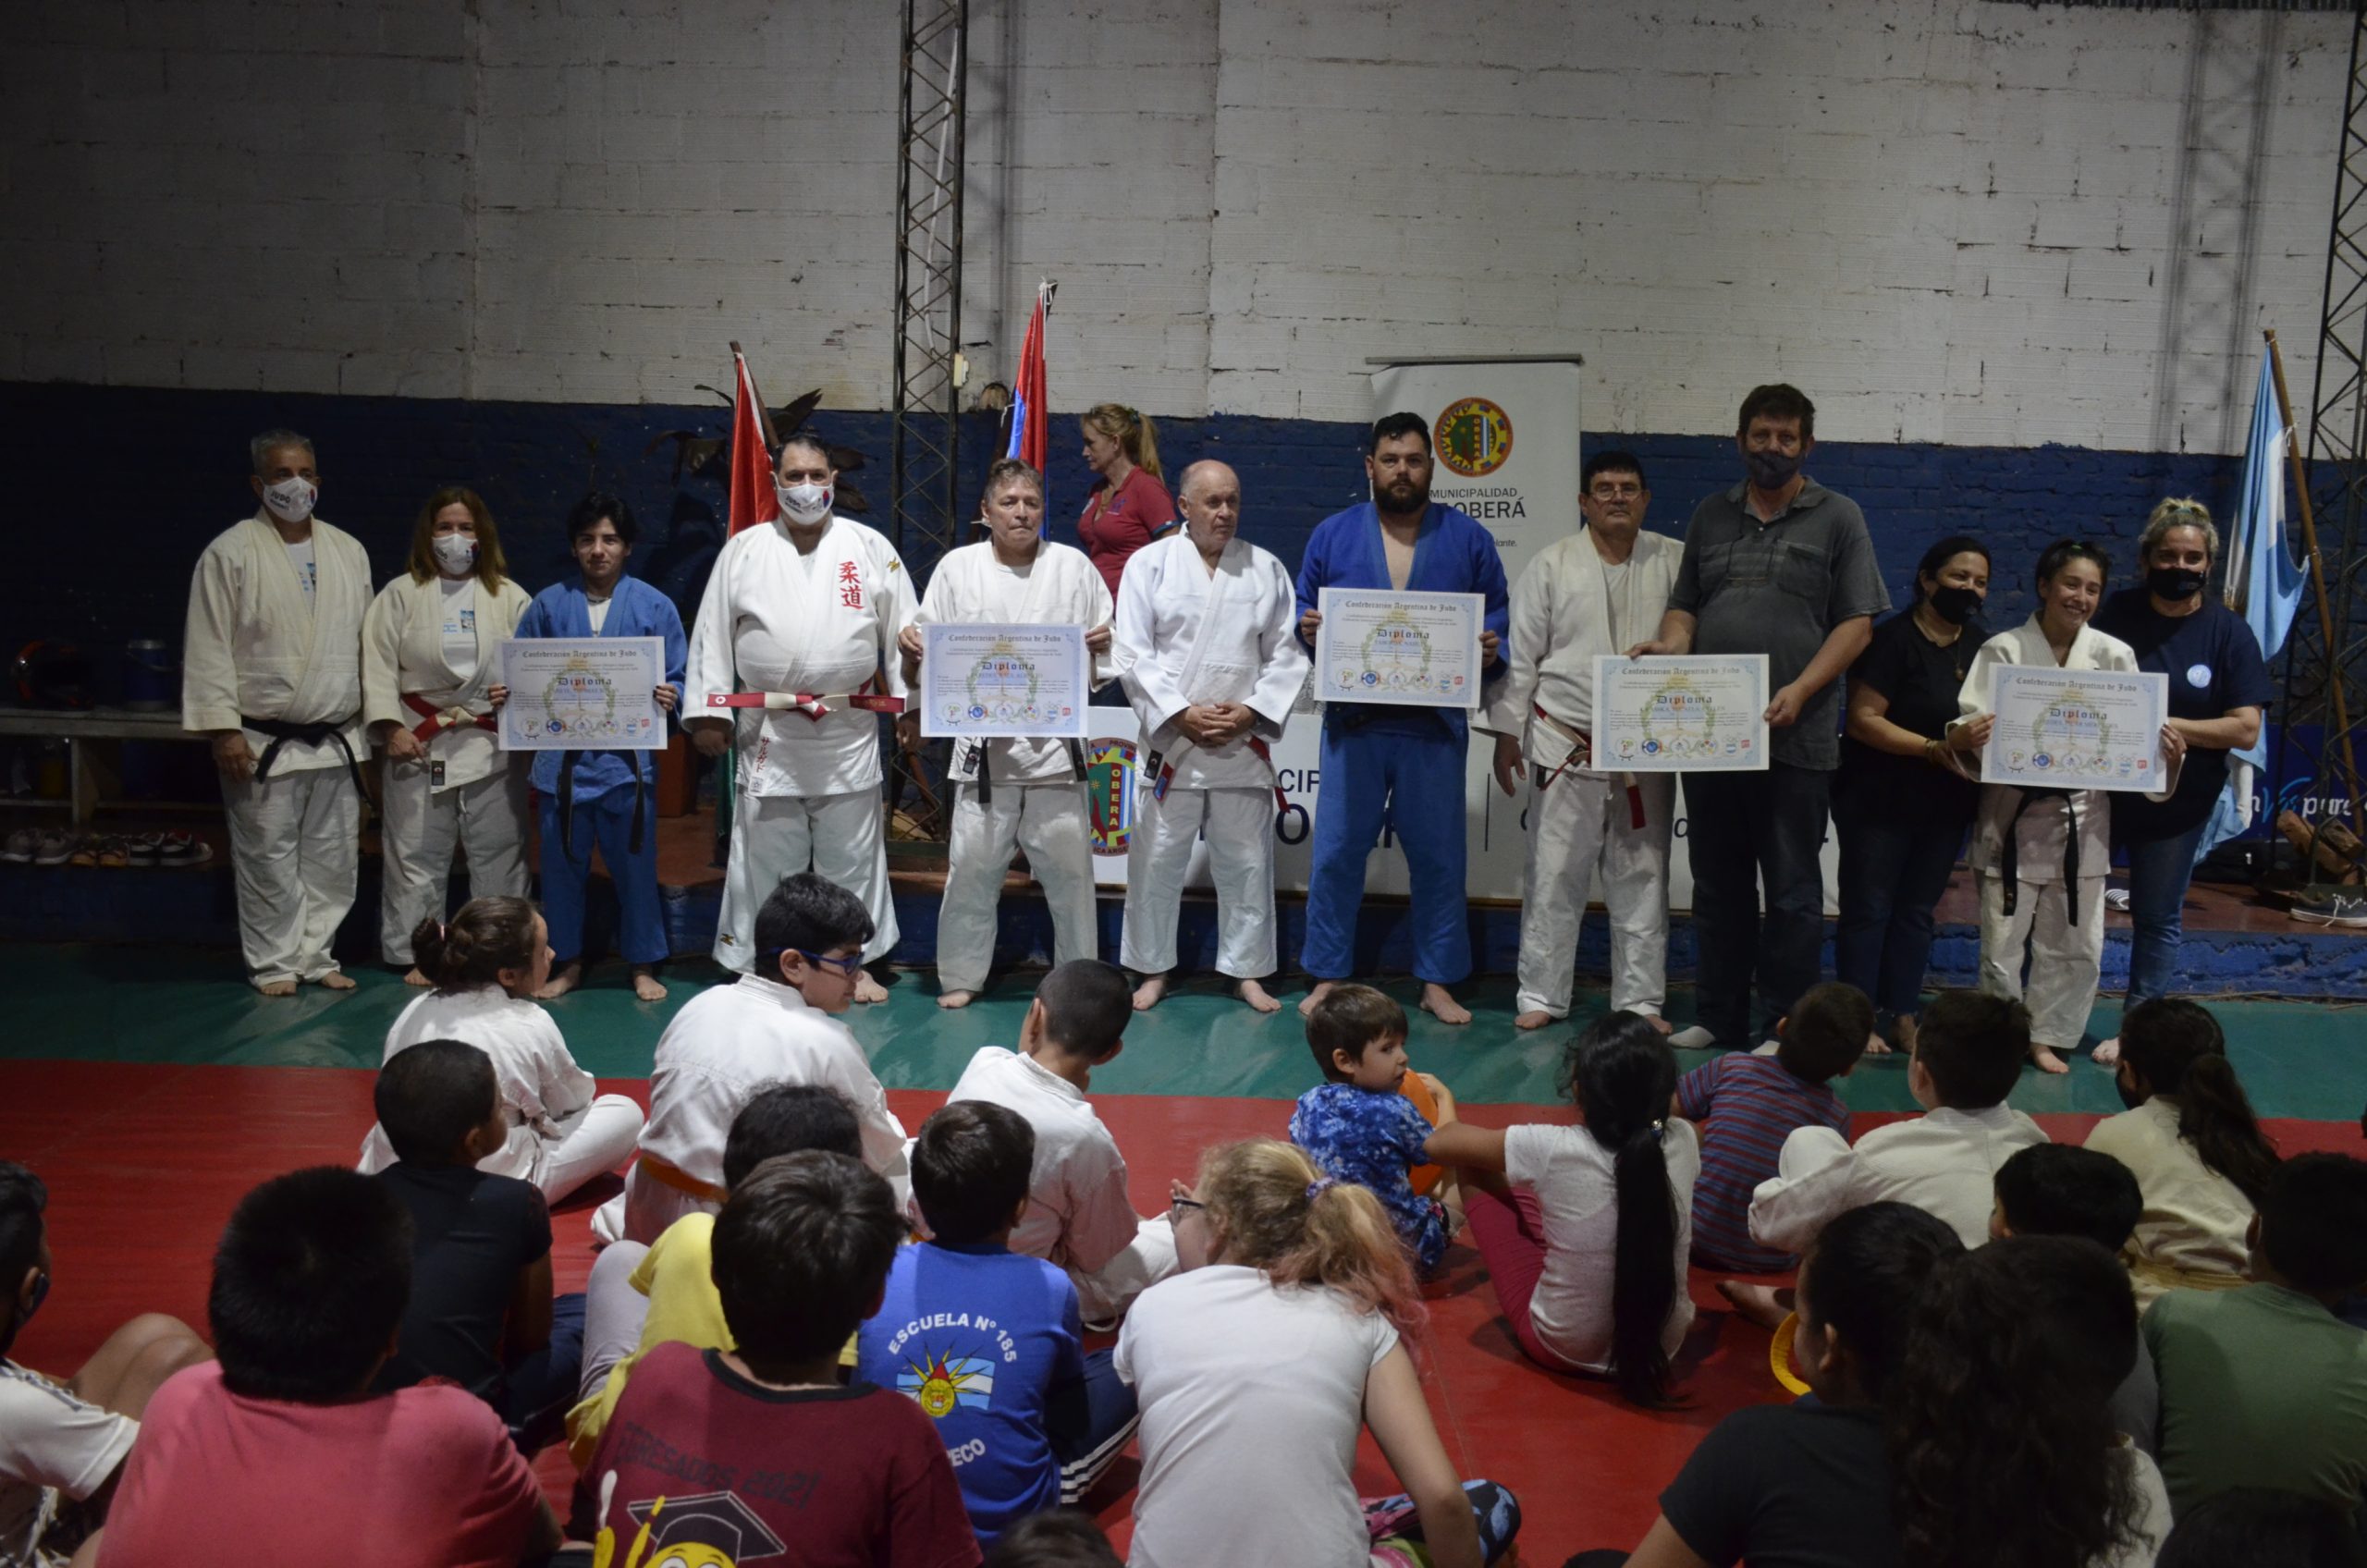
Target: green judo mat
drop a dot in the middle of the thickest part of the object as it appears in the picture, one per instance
(190, 1006)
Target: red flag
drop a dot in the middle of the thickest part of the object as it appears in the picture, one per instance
(1031, 436)
(754, 500)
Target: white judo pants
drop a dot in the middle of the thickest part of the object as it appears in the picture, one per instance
(597, 1139)
(2065, 959)
(1048, 821)
(486, 817)
(1107, 1293)
(613, 1314)
(1239, 824)
(295, 845)
(1581, 836)
(841, 838)
(644, 1209)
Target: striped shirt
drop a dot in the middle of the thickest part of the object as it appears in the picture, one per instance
(1746, 1105)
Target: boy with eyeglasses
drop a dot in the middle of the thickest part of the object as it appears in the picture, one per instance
(773, 1025)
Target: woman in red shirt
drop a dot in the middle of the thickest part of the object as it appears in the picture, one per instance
(1129, 507)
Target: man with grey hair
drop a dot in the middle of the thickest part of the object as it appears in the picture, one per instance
(273, 673)
(1207, 648)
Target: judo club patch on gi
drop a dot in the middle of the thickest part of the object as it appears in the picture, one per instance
(1474, 436)
(1109, 794)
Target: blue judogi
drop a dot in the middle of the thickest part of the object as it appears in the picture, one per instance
(1402, 765)
(610, 798)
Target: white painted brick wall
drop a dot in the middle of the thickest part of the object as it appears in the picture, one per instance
(1952, 220)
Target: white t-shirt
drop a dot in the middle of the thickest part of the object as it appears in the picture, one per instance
(460, 604)
(596, 611)
(52, 1446)
(1252, 1399)
(308, 570)
(1570, 1174)
(2153, 1520)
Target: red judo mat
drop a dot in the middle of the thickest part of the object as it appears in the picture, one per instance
(144, 1163)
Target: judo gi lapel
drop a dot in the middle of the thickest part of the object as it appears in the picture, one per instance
(1425, 549)
(280, 592)
(1228, 572)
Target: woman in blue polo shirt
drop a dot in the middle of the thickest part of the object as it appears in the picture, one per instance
(2219, 686)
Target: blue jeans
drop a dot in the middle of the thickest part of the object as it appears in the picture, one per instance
(2159, 871)
(1742, 830)
(542, 1383)
(1892, 873)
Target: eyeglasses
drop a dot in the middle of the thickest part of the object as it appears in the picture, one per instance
(845, 968)
(1176, 1208)
(1615, 492)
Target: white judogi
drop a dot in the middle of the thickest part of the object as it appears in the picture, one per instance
(726, 1043)
(1078, 1214)
(808, 789)
(1569, 605)
(1186, 635)
(1036, 797)
(563, 1131)
(1945, 1162)
(2194, 1230)
(464, 791)
(258, 645)
(2065, 959)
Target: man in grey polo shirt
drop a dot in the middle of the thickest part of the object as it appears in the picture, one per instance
(1781, 566)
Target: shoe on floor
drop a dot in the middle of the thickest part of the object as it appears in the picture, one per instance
(182, 849)
(142, 847)
(113, 853)
(19, 847)
(54, 846)
(2341, 909)
(2107, 1052)
(85, 851)
(1692, 1037)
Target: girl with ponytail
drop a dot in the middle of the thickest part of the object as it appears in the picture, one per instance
(1587, 1247)
(1257, 1367)
(2191, 1137)
(485, 966)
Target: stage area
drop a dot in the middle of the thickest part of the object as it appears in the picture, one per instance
(150, 1087)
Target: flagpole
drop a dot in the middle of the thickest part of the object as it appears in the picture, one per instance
(763, 414)
(2317, 579)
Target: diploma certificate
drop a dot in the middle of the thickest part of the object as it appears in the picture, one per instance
(1687, 713)
(1414, 650)
(583, 694)
(1004, 682)
(2075, 729)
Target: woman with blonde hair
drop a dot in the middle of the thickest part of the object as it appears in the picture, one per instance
(430, 684)
(1130, 506)
(2219, 689)
(1258, 1368)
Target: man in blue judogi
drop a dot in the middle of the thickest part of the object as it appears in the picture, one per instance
(1402, 765)
(604, 798)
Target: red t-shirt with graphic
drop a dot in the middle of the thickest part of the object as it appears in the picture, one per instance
(699, 1456)
(1114, 527)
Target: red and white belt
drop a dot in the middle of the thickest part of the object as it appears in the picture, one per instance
(1162, 773)
(812, 704)
(433, 720)
(1582, 756)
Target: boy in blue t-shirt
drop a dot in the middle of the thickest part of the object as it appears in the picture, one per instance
(1358, 1128)
(985, 1340)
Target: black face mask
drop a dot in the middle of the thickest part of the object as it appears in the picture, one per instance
(2173, 584)
(1954, 606)
(1771, 470)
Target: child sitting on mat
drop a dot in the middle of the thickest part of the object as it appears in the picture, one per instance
(1357, 1127)
(487, 966)
(1587, 1253)
(1747, 1103)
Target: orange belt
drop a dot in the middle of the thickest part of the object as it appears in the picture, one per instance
(433, 720)
(670, 1175)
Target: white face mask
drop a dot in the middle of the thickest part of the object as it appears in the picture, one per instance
(456, 553)
(806, 504)
(290, 501)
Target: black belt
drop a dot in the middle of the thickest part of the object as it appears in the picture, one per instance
(281, 733)
(979, 765)
(2009, 853)
(567, 801)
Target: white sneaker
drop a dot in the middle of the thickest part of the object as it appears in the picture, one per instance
(2107, 1053)
(1692, 1037)
(2342, 909)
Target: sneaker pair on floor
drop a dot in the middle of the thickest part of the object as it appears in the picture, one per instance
(43, 846)
(52, 846)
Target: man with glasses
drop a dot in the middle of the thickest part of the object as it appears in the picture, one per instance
(775, 1025)
(1599, 592)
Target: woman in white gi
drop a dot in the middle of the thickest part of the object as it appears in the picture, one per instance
(1019, 793)
(431, 682)
(487, 966)
(2039, 856)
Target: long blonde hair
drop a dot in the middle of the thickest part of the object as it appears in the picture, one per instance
(490, 568)
(1132, 430)
(1276, 1212)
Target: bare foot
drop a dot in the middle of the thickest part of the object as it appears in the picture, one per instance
(278, 988)
(1257, 997)
(1766, 1306)
(1313, 1000)
(646, 985)
(957, 998)
(413, 977)
(1877, 1045)
(1148, 994)
(1536, 1017)
(2047, 1060)
(335, 980)
(569, 977)
(867, 989)
(1657, 1022)
(1905, 1029)
(1442, 1007)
